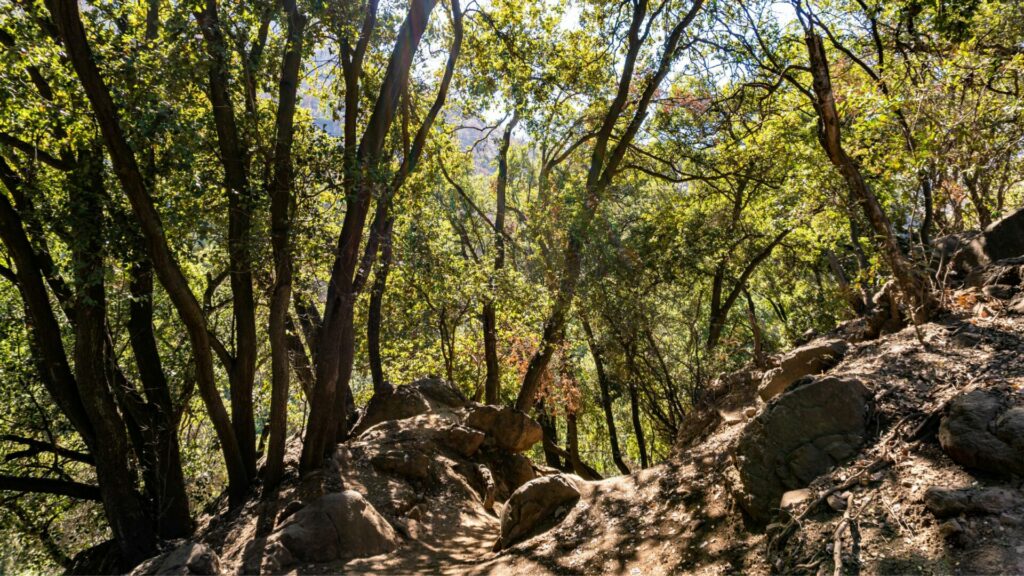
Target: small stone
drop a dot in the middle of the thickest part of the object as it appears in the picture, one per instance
(836, 502)
(795, 497)
(950, 528)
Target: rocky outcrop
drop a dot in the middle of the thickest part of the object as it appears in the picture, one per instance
(806, 360)
(421, 397)
(798, 437)
(190, 558)
(335, 526)
(536, 506)
(1002, 239)
(946, 502)
(511, 429)
(984, 429)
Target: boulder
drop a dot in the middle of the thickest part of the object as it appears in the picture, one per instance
(441, 391)
(412, 464)
(510, 429)
(797, 437)
(400, 403)
(464, 440)
(189, 558)
(812, 358)
(1002, 239)
(338, 525)
(984, 429)
(536, 506)
(946, 502)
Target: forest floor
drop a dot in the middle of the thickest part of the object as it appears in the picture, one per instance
(683, 516)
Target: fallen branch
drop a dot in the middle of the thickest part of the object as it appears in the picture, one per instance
(837, 539)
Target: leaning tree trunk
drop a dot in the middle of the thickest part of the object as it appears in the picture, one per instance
(911, 284)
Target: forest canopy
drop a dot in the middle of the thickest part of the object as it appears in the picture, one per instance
(226, 225)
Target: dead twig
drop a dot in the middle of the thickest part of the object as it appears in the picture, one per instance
(837, 538)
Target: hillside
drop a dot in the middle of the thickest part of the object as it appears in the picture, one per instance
(898, 453)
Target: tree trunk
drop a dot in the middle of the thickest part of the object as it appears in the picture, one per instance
(911, 285)
(69, 24)
(492, 385)
(164, 478)
(280, 203)
(129, 523)
(572, 440)
(606, 398)
(638, 429)
(322, 427)
(755, 330)
(549, 430)
(242, 369)
(603, 166)
(374, 317)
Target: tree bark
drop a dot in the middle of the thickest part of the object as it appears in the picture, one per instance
(235, 158)
(132, 529)
(163, 475)
(573, 442)
(374, 317)
(638, 428)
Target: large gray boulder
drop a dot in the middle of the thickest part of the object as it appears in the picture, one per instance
(536, 506)
(336, 526)
(812, 358)
(1002, 239)
(798, 437)
(191, 558)
(984, 429)
(426, 395)
(396, 404)
(511, 429)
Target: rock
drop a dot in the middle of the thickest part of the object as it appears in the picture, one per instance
(999, 291)
(441, 391)
(1001, 239)
(487, 480)
(411, 464)
(535, 507)
(945, 502)
(338, 525)
(984, 429)
(794, 498)
(511, 429)
(797, 437)
(464, 440)
(189, 558)
(402, 402)
(950, 529)
(811, 359)
(837, 502)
